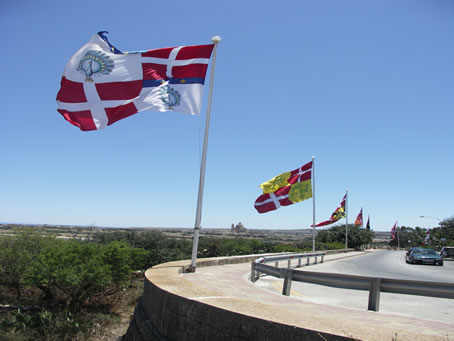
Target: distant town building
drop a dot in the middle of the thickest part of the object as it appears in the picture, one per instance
(239, 228)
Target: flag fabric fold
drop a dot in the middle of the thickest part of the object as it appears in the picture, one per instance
(285, 189)
(338, 214)
(101, 84)
(359, 218)
(368, 223)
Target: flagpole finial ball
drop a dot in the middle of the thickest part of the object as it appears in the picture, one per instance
(216, 39)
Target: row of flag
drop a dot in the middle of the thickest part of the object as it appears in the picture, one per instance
(291, 187)
(101, 85)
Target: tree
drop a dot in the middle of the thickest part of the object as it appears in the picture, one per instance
(408, 237)
(357, 236)
(447, 229)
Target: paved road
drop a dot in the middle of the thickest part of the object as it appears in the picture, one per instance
(389, 264)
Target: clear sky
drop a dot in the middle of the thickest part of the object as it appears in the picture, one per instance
(367, 87)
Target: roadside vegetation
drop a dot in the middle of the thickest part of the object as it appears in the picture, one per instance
(81, 288)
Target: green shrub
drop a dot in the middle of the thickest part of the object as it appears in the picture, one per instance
(75, 270)
(17, 253)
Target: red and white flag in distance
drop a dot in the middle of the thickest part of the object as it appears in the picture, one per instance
(427, 239)
(393, 231)
(338, 213)
(102, 85)
(359, 218)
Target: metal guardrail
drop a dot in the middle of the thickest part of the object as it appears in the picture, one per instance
(279, 272)
(374, 285)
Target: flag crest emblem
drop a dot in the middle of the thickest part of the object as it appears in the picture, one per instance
(95, 63)
(300, 191)
(170, 97)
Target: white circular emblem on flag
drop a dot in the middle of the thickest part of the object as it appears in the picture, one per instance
(95, 63)
(170, 96)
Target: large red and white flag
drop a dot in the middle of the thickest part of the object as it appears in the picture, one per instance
(102, 85)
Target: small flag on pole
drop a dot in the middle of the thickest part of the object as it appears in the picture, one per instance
(393, 231)
(368, 223)
(285, 189)
(336, 215)
(101, 84)
(427, 239)
(359, 218)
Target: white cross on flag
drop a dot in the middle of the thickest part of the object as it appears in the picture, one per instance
(102, 85)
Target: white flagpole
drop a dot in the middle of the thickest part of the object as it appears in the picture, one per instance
(198, 218)
(346, 219)
(313, 203)
(398, 237)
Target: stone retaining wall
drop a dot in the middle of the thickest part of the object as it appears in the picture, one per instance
(163, 315)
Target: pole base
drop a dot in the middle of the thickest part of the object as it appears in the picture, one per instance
(190, 269)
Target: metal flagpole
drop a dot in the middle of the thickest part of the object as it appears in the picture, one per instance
(362, 218)
(313, 203)
(398, 238)
(198, 218)
(346, 219)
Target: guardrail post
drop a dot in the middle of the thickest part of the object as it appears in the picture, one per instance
(307, 260)
(288, 263)
(315, 262)
(374, 294)
(276, 264)
(287, 282)
(299, 262)
(253, 279)
(322, 259)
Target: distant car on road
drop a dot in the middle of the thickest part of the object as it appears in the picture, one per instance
(447, 251)
(423, 256)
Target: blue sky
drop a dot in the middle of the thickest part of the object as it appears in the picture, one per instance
(364, 86)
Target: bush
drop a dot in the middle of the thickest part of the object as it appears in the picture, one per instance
(17, 253)
(72, 269)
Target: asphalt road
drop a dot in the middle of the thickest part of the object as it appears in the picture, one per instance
(387, 264)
